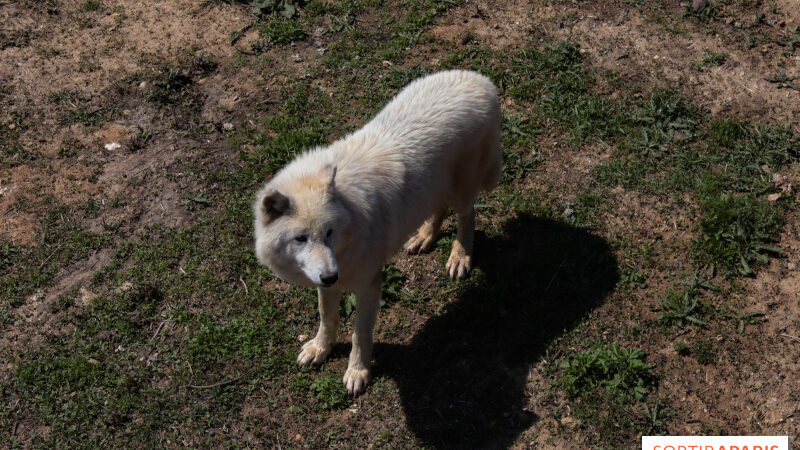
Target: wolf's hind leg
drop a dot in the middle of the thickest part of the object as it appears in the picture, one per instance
(316, 350)
(426, 235)
(460, 262)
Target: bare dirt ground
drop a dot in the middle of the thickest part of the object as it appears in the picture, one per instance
(77, 76)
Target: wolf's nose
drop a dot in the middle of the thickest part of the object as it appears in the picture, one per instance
(328, 280)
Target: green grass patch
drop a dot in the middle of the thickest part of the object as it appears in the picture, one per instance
(11, 150)
(19, 39)
(704, 15)
(8, 254)
(63, 241)
(655, 137)
(684, 306)
(738, 232)
(703, 351)
(583, 212)
(557, 77)
(281, 31)
(750, 160)
(303, 123)
(91, 5)
(329, 392)
(169, 85)
(711, 59)
(393, 281)
(263, 8)
(84, 115)
(230, 337)
(726, 132)
(621, 372)
(419, 14)
(552, 78)
(75, 395)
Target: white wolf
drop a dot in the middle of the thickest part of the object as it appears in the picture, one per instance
(335, 215)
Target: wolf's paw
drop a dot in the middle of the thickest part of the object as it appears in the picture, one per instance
(419, 243)
(459, 264)
(313, 353)
(356, 380)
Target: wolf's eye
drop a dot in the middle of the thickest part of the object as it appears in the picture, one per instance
(329, 233)
(301, 238)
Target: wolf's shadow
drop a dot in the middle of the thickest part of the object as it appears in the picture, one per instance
(462, 378)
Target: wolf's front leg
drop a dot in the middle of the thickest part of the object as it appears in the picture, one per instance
(315, 350)
(358, 368)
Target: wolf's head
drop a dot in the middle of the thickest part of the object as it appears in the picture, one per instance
(297, 222)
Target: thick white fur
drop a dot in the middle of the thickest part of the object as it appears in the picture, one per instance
(435, 146)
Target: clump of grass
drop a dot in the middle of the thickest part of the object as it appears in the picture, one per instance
(715, 58)
(703, 351)
(791, 41)
(8, 254)
(516, 165)
(665, 111)
(685, 305)
(704, 15)
(281, 31)
(711, 59)
(392, 284)
(168, 85)
(682, 349)
(419, 14)
(554, 76)
(329, 392)
(621, 372)
(747, 318)
(83, 115)
(70, 147)
(481, 59)
(585, 208)
(91, 5)
(750, 160)
(11, 150)
(726, 132)
(519, 132)
(738, 232)
(21, 38)
(63, 95)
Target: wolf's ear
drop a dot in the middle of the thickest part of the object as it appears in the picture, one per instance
(330, 173)
(275, 205)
